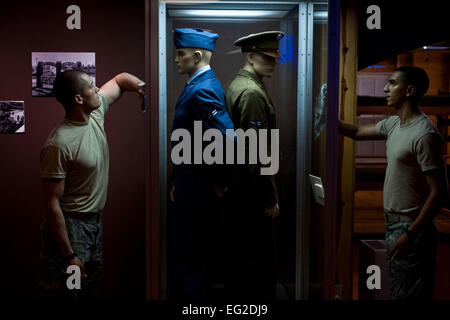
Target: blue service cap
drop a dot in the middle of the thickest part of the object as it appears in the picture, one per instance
(194, 38)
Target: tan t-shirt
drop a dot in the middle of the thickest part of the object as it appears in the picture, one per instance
(411, 150)
(78, 152)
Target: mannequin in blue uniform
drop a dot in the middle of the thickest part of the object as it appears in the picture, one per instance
(196, 187)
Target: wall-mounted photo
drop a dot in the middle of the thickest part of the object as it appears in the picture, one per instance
(47, 65)
(12, 117)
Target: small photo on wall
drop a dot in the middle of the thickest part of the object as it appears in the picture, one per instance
(12, 117)
(47, 65)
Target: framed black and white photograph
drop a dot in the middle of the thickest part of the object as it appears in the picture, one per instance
(12, 117)
(47, 65)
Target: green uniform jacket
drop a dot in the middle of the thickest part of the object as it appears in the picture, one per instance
(249, 106)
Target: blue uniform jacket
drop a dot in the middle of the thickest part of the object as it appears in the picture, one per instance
(202, 100)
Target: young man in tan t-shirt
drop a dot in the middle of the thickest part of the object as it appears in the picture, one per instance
(74, 172)
(414, 187)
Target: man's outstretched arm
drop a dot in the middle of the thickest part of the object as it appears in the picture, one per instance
(366, 132)
(114, 88)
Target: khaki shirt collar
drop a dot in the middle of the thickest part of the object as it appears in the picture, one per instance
(252, 76)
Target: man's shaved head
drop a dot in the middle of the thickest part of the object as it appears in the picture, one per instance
(68, 84)
(416, 77)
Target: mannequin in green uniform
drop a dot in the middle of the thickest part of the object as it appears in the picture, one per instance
(252, 200)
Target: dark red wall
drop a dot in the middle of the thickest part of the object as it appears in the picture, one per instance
(115, 32)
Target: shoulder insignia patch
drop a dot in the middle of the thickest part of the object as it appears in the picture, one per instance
(212, 114)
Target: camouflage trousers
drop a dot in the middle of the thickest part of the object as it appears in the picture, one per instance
(411, 272)
(86, 240)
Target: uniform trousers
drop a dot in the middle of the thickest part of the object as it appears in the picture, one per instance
(85, 236)
(193, 228)
(249, 255)
(411, 272)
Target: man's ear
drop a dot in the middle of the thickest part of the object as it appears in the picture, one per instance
(249, 57)
(198, 55)
(78, 99)
(410, 90)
